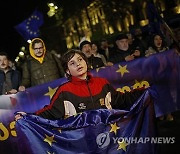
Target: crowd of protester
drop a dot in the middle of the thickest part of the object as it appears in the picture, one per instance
(43, 66)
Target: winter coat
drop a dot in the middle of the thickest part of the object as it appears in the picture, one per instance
(152, 51)
(36, 73)
(79, 95)
(15, 79)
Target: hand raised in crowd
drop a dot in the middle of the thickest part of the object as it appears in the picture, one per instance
(136, 53)
(19, 115)
(129, 58)
(22, 88)
(12, 91)
(109, 64)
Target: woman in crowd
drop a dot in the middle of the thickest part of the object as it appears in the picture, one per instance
(157, 45)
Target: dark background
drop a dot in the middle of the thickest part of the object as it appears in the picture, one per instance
(11, 14)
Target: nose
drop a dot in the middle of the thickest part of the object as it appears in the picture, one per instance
(78, 63)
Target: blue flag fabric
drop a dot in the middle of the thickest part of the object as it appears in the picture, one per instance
(29, 28)
(160, 72)
(96, 131)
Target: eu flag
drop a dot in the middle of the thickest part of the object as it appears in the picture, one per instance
(95, 131)
(29, 28)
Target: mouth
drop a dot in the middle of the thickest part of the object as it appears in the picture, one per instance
(159, 44)
(3, 65)
(80, 69)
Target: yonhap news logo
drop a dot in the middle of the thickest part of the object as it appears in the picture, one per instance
(103, 140)
(144, 140)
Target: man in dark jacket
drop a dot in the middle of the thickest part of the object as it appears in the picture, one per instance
(41, 67)
(9, 79)
(123, 51)
(94, 62)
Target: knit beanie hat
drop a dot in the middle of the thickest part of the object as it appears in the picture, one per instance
(121, 36)
(83, 43)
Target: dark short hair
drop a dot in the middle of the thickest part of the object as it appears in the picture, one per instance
(36, 41)
(84, 43)
(104, 40)
(152, 40)
(4, 54)
(68, 56)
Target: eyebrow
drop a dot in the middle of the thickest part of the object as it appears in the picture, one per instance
(73, 60)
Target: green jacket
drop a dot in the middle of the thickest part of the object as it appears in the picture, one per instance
(36, 73)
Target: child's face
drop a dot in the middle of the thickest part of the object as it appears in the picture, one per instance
(77, 67)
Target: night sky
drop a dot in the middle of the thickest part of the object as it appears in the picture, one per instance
(14, 12)
(11, 14)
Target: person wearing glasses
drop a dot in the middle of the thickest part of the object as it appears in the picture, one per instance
(40, 67)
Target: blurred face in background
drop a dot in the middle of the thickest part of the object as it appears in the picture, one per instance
(4, 62)
(94, 49)
(38, 49)
(122, 44)
(86, 49)
(138, 32)
(157, 41)
(104, 44)
(130, 38)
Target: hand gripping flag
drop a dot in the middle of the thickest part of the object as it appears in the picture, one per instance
(96, 131)
(160, 71)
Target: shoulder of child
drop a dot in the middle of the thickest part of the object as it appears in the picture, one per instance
(100, 79)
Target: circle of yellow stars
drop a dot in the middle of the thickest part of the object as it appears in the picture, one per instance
(33, 17)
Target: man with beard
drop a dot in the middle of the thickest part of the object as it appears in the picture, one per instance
(94, 62)
(41, 67)
(9, 79)
(123, 52)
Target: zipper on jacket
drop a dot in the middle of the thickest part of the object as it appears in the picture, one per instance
(90, 93)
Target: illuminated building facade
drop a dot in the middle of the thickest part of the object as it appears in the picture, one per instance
(103, 18)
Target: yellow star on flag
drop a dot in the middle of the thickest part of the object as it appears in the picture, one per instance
(49, 139)
(51, 92)
(114, 128)
(122, 70)
(59, 130)
(122, 145)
